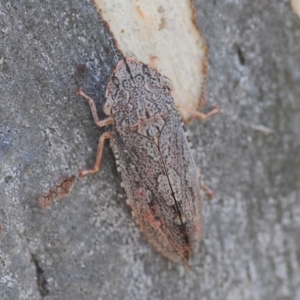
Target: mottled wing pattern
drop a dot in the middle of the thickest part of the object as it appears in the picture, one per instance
(145, 201)
(184, 178)
(157, 169)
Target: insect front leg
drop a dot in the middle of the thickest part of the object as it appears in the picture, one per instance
(103, 137)
(92, 104)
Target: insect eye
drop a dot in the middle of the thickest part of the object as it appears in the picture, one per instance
(115, 81)
(166, 82)
(166, 90)
(107, 106)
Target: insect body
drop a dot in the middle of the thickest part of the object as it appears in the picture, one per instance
(153, 156)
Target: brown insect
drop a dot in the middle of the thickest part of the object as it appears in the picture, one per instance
(153, 156)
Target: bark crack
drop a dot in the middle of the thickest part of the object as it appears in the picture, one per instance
(40, 277)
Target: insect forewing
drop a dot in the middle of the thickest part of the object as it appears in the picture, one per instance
(157, 168)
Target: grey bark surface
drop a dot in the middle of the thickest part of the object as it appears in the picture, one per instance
(87, 246)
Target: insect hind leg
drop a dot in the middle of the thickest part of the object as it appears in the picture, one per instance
(97, 166)
(199, 114)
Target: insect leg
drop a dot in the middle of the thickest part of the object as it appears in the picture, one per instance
(153, 61)
(209, 193)
(91, 102)
(103, 137)
(97, 166)
(199, 114)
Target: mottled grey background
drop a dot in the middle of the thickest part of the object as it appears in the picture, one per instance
(87, 245)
